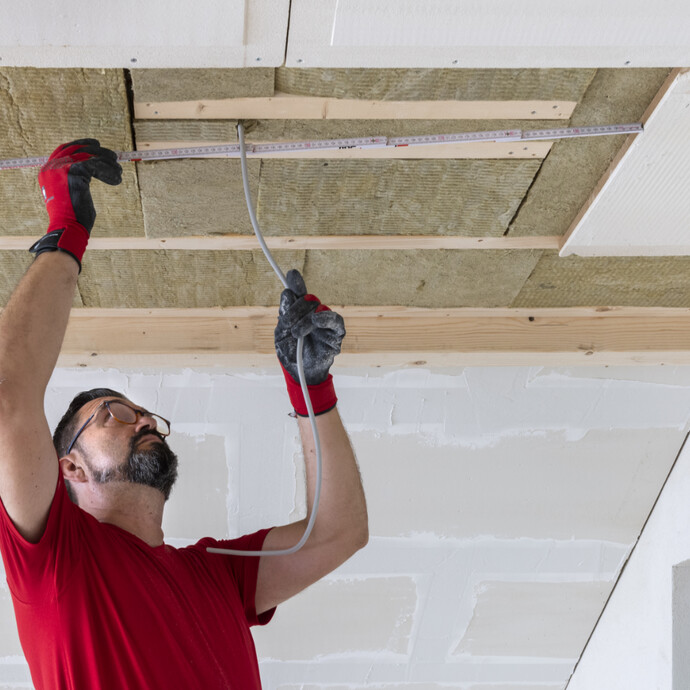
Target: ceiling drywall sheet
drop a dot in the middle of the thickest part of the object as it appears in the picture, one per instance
(497, 497)
(157, 33)
(343, 33)
(466, 33)
(643, 207)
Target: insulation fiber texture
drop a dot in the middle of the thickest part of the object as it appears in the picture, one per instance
(424, 197)
(172, 278)
(574, 166)
(435, 84)
(305, 197)
(196, 197)
(575, 281)
(160, 85)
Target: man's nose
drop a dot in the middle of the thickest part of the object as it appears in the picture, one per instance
(145, 421)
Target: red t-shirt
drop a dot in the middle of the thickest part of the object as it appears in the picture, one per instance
(99, 609)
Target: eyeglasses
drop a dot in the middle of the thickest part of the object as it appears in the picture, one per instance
(125, 414)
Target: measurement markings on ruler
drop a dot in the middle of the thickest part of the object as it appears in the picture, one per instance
(319, 145)
(502, 135)
(573, 132)
(233, 150)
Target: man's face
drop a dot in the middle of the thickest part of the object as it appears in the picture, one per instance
(134, 453)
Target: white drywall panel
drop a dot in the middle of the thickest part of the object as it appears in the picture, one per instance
(374, 617)
(632, 644)
(485, 486)
(525, 473)
(155, 33)
(533, 619)
(202, 487)
(487, 33)
(643, 207)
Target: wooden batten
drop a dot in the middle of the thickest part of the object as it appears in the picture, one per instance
(384, 336)
(285, 106)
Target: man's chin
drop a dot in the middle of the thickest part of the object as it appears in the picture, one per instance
(154, 466)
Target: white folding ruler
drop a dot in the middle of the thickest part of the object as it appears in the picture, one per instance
(233, 150)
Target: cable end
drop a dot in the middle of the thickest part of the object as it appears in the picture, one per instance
(248, 125)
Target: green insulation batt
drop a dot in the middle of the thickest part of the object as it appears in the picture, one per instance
(437, 278)
(347, 197)
(573, 281)
(372, 84)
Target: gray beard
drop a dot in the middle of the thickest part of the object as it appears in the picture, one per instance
(155, 466)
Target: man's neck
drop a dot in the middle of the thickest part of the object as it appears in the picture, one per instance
(132, 507)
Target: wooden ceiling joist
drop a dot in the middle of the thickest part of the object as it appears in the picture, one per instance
(385, 336)
(249, 242)
(470, 150)
(284, 106)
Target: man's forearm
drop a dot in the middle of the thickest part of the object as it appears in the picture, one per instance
(33, 324)
(342, 512)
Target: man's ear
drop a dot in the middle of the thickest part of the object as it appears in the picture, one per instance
(71, 469)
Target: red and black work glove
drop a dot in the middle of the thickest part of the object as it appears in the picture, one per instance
(65, 181)
(323, 330)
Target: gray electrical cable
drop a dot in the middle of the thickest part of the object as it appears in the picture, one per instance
(300, 371)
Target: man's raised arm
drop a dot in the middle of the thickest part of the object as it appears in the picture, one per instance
(341, 525)
(32, 328)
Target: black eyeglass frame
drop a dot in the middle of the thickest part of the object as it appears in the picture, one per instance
(139, 413)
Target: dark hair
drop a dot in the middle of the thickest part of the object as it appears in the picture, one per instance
(67, 426)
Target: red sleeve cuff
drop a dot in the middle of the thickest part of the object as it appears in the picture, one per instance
(322, 395)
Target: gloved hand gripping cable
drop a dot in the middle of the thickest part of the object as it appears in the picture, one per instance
(308, 333)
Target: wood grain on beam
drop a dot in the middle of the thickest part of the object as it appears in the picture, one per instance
(385, 336)
(285, 106)
(249, 242)
(469, 150)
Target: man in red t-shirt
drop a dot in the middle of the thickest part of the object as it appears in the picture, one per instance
(101, 601)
